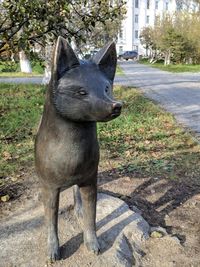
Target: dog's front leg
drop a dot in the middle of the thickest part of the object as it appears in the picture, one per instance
(89, 199)
(51, 205)
(78, 209)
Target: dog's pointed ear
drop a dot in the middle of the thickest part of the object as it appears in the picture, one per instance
(64, 58)
(106, 59)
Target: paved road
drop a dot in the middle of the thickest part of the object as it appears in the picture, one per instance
(24, 80)
(177, 93)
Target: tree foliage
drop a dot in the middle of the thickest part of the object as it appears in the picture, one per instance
(176, 37)
(197, 1)
(25, 22)
(146, 38)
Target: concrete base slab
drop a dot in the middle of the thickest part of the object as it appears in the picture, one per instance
(120, 231)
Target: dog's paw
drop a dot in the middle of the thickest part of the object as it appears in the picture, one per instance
(53, 252)
(92, 244)
(93, 247)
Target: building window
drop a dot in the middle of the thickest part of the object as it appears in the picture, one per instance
(136, 3)
(120, 49)
(156, 5)
(167, 6)
(147, 19)
(135, 47)
(179, 5)
(156, 21)
(136, 34)
(136, 18)
(148, 4)
(121, 34)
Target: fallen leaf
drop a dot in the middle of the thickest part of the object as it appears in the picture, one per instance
(6, 155)
(14, 179)
(5, 198)
(156, 234)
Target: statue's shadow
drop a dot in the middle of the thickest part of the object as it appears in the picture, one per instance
(71, 246)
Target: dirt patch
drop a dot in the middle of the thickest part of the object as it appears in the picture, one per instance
(169, 204)
(23, 234)
(23, 190)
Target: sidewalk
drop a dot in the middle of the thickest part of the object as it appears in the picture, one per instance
(177, 93)
(24, 80)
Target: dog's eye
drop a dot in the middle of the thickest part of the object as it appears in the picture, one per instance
(82, 92)
(107, 89)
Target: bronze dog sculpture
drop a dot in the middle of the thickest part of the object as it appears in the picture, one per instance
(66, 145)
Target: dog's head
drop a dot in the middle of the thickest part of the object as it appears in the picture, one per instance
(82, 91)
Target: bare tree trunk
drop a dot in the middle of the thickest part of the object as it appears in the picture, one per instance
(167, 58)
(48, 56)
(47, 73)
(25, 65)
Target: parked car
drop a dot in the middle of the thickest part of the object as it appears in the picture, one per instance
(90, 54)
(129, 55)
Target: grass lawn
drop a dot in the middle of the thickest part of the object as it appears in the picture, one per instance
(10, 69)
(173, 68)
(144, 140)
(119, 71)
(20, 109)
(19, 74)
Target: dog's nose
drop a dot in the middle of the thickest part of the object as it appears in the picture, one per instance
(116, 107)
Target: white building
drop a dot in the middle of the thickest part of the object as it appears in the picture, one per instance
(142, 13)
